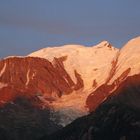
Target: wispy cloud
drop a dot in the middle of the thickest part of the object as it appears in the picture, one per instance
(48, 26)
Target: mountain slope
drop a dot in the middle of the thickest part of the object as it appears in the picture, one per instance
(117, 118)
(127, 65)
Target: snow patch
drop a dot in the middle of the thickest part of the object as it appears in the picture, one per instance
(66, 80)
(28, 78)
(34, 74)
(3, 69)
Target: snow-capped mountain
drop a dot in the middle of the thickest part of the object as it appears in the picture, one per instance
(91, 64)
(60, 77)
(70, 80)
(116, 104)
(127, 64)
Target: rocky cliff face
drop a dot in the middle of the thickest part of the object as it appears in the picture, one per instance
(35, 77)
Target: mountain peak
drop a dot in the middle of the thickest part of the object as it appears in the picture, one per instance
(105, 43)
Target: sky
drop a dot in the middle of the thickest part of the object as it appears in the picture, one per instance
(29, 25)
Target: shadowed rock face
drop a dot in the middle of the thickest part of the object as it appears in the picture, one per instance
(111, 122)
(117, 118)
(21, 120)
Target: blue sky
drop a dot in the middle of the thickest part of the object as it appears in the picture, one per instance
(29, 25)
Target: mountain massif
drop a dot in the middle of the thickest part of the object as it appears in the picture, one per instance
(45, 91)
